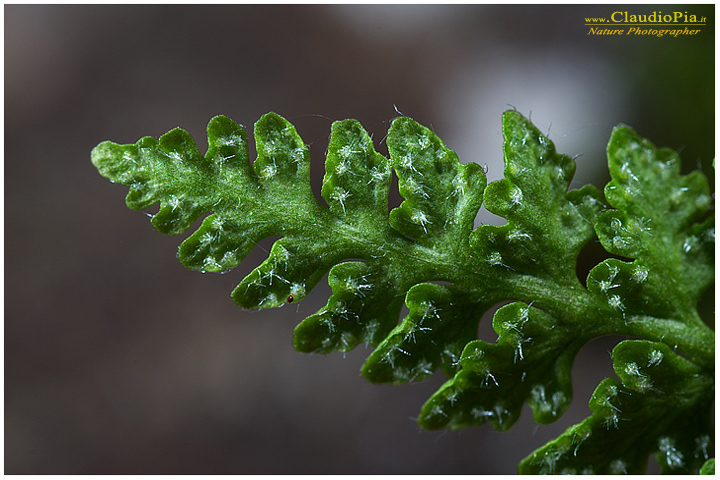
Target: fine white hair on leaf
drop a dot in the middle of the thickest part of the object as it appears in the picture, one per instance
(341, 195)
(655, 358)
(421, 219)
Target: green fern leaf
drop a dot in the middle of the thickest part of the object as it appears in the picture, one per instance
(272, 197)
(662, 404)
(708, 467)
(655, 224)
(533, 256)
(427, 255)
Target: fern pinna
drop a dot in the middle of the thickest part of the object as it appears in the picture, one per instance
(427, 255)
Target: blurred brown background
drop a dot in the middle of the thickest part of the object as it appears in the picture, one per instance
(117, 360)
